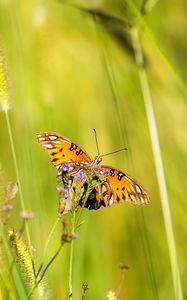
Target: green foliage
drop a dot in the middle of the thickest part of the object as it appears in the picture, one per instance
(69, 67)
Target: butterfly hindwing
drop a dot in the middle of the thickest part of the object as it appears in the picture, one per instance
(61, 149)
(124, 188)
(118, 188)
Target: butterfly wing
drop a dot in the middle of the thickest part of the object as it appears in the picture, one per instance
(60, 149)
(120, 187)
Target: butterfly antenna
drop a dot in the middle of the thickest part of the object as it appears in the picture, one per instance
(114, 152)
(97, 145)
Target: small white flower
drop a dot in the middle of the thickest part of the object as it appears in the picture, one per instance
(111, 296)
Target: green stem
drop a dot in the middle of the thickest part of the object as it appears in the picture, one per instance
(71, 257)
(50, 262)
(45, 270)
(80, 213)
(158, 164)
(46, 245)
(17, 172)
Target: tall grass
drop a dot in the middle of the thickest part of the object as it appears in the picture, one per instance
(73, 68)
(158, 164)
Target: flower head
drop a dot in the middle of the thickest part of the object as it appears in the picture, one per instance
(64, 167)
(26, 214)
(7, 193)
(78, 185)
(7, 207)
(65, 201)
(66, 236)
(111, 296)
(79, 177)
(4, 84)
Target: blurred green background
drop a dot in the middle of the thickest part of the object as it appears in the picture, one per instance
(72, 70)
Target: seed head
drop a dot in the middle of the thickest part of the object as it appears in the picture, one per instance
(4, 84)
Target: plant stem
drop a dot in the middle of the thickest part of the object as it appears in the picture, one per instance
(17, 171)
(44, 271)
(158, 164)
(49, 263)
(49, 237)
(81, 210)
(46, 245)
(71, 257)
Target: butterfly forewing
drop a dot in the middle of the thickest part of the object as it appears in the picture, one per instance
(124, 188)
(60, 149)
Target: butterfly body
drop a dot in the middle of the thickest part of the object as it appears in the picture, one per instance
(118, 186)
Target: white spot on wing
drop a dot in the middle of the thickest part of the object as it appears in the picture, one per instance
(138, 189)
(41, 138)
(104, 189)
(111, 201)
(49, 146)
(133, 198)
(52, 137)
(142, 200)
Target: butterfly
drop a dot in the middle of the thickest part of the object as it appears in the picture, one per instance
(118, 186)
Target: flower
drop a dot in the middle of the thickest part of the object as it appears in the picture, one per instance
(61, 189)
(7, 194)
(64, 167)
(111, 296)
(80, 175)
(85, 286)
(26, 214)
(65, 201)
(7, 207)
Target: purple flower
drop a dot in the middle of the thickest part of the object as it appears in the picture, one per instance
(64, 167)
(103, 172)
(60, 189)
(80, 175)
(6, 207)
(99, 172)
(95, 171)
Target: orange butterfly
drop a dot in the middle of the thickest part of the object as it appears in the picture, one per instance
(118, 186)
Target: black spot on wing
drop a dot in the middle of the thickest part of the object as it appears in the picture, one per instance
(120, 175)
(112, 172)
(54, 159)
(118, 198)
(80, 152)
(73, 147)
